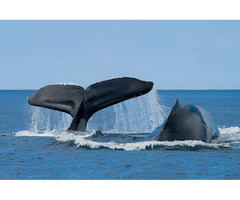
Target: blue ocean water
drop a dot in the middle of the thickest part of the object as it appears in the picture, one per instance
(34, 143)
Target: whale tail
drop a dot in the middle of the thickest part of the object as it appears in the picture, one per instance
(82, 104)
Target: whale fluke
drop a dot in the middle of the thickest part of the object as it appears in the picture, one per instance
(65, 98)
(82, 104)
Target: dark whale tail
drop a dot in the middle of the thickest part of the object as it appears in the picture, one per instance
(82, 104)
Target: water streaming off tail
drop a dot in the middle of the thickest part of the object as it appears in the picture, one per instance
(44, 120)
(141, 114)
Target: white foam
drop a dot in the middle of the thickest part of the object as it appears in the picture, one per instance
(231, 135)
(229, 130)
(80, 141)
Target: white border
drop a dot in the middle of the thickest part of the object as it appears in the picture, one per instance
(122, 190)
(119, 9)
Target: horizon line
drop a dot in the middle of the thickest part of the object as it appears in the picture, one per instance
(156, 89)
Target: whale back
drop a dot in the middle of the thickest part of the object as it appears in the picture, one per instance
(188, 122)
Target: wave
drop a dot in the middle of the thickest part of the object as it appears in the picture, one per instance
(229, 138)
(229, 135)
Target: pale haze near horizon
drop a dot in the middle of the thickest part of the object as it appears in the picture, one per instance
(172, 54)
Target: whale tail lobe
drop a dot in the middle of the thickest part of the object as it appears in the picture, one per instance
(82, 104)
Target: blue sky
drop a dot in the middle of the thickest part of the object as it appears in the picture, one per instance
(172, 54)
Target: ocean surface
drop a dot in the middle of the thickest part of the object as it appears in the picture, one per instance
(34, 143)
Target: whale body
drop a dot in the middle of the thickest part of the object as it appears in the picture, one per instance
(187, 122)
(82, 103)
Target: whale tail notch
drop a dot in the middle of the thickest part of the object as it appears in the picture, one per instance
(82, 104)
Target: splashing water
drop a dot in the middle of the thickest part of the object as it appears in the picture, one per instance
(141, 114)
(44, 120)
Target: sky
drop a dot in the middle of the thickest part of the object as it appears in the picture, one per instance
(173, 54)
